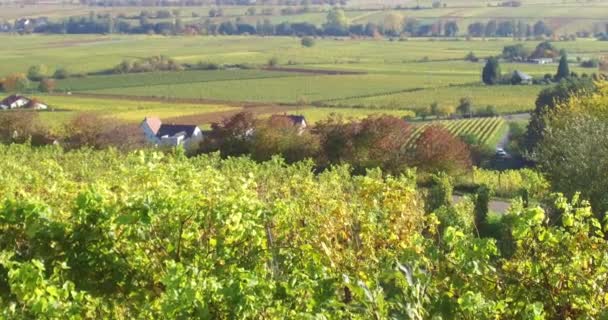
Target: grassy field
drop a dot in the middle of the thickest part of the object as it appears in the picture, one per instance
(125, 81)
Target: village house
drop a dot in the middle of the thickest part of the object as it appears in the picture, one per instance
(171, 135)
(19, 102)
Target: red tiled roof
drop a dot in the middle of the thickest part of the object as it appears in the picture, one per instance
(154, 123)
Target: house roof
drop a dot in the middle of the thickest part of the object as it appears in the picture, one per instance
(11, 99)
(522, 76)
(295, 120)
(176, 129)
(154, 123)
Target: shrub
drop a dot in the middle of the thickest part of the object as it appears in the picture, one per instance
(307, 42)
(277, 135)
(37, 72)
(98, 132)
(231, 136)
(437, 150)
(47, 85)
(273, 62)
(61, 73)
(18, 126)
(16, 82)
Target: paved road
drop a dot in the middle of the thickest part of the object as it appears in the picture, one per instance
(497, 206)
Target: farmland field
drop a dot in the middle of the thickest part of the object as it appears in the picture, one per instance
(394, 77)
(64, 107)
(163, 78)
(507, 99)
(487, 130)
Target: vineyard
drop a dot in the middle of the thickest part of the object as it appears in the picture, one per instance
(485, 130)
(98, 234)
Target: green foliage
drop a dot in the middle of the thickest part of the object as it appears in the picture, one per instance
(99, 234)
(440, 193)
(563, 70)
(491, 72)
(482, 202)
(37, 72)
(546, 102)
(307, 42)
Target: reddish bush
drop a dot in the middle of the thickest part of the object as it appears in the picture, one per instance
(437, 150)
(17, 126)
(278, 135)
(98, 132)
(231, 136)
(377, 141)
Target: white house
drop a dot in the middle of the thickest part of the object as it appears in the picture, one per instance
(171, 134)
(17, 102)
(14, 102)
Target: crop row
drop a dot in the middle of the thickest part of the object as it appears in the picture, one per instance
(483, 129)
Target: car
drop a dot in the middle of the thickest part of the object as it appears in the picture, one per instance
(501, 153)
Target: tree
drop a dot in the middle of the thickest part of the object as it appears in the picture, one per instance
(516, 52)
(393, 24)
(273, 62)
(573, 145)
(278, 135)
(337, 23)
(572, 155)
(16, 82)
(20, 125)
(47, 85)
(437, 150)
(231, 136)
(307, 42)
(491, 72)
(547, 101)
(471, 57)
(563, 70)
(451, 29)
(376, 141)
(61, 73)
(465, 107)
(37, 72)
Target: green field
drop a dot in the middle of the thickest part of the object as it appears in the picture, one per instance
(126, 81)
(507, 99)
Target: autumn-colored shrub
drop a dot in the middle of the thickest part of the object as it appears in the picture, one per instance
(98, 132)
(231, 136)
(278, 135)
(18, 126)
(437, 150)
(376, 141)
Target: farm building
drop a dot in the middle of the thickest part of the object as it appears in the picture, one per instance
(18, 102)
(170, 134)
(521, 78)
